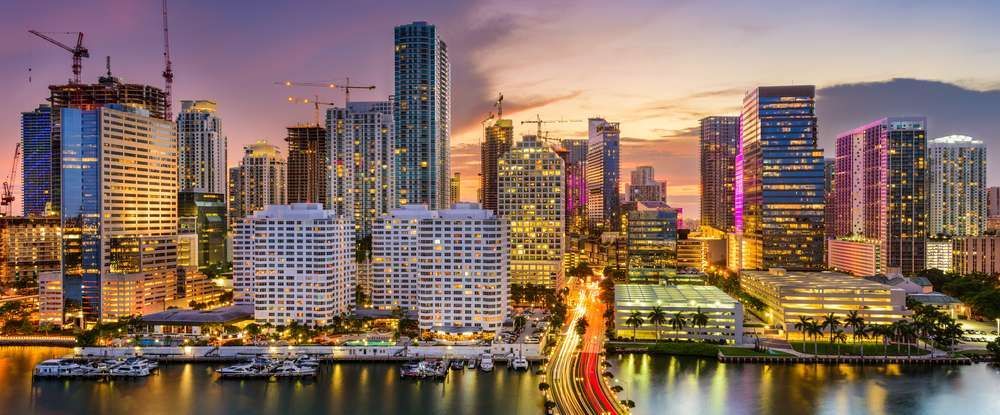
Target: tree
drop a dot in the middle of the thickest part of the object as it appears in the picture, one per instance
(519, 322)
(581, 326)
(677, 322)
(657, 317)
(700, 320)
(855, 322)
(543, 386)
(815, 330)
(831, 322)
(884, 332)
(635, 321)
(802, 325)
(839, 337)
(994, 348)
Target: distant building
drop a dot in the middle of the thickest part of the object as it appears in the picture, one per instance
(50, 297)
(423, 115)
(575, 158)
(259, 181)
(29, 246)
(362, 149)
(702, 250)
(294, 263)
(645, 188)
(203, 215)
(652, 242)
(308, 165)
(36, 168)
(855, 256)
(993, 209)
(719, 143)
(939, 254)
(456, 188)
(498, 141)
(725, 314)
(976, 254)
(956, 175)
(201, 148)
(603, 158)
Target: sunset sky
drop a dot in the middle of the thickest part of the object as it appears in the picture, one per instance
(655, 66)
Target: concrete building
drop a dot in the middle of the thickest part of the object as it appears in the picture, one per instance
(652, 242)
(993, 209)
(201, 148)
(530, 180)
(119, 222)
(36, 159)
(889, 153)
(939, 254)
(29, 246)
(361, 142)
(451, 266)
(725, 315)
(294, 263)
(779, 173)
(50, 297)
(956, 175)
(855, 256)
(260, 181)
(499, 139)
(308, 165)
(719, 143)
(423, 116)
(702, 250)
(976, 254)
(789, 295)
(603, 175)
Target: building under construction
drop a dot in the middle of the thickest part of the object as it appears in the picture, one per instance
(308, 161)
(498, 141)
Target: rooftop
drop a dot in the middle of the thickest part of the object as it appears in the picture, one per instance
(813, 280)
(650, 295)
(224, 315)
(934, 298)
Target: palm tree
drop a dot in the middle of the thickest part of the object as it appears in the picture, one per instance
(831, 322)
(801, 327)
(855, 322)
(581, 326)
(860, 331)
(884, 332)
(657, 317)
(519, 322)
(635, 321)
(815, 330)
(700, 320)
(677, 322)
(839, 337)
(907, 332)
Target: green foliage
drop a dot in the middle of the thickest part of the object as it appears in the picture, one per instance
(980, 292)
(994, 348)
(581, 326)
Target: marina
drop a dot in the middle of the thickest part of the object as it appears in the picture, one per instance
(95, 369)
(263, 368)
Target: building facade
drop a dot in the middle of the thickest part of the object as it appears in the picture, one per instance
(456, 187)
(881, 177)
(203, 215)
(395, 257)
(260, 181)
(119, 222)
(939, 254)
(956, 174)
(530, 190)
(498, 140)
(294, 263)
(361, 142)
(201, 148)
(643, 186)
(719, 143)
(422, 75)
(724, 314)
(575, 162)
(603, 174)
(780, 201)
(308, 165)
(855, 256)
(976, 254)
(36, 169)
(29, 246)
(652, 242)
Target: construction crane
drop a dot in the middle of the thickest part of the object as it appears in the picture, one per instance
(7, 199)
(315, 103)
(539, 121)
(168, 72)
(499, 105)
(346, 86)
(79, 52)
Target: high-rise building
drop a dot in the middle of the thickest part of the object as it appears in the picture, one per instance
(395, 257)
(29, 246)
(645, 188)
(956, 174)
(779, 195)
(498, 141)
(108, 90)
(719, 143)
(829, 184)
(880, 194)
(119, 222)
(203, 215)
(603, 204)
(423, 116)
(308, 165)
(456, 188)
(294, 263)
(201, 149)
(36, 167)
(361, 152)
(530, 188)
(234, 196)
(652, 242)
(259, 181)
(993, 202)
(575, 160)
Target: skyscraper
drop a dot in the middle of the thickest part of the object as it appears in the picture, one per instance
(36, 169)
(719, 143)
(957, 178)
(652, 242)
(422, 116)
(782, 179)
(308, 165)
(234, 196)
(119, 222)
(260, 181)
(530, 184)
(498, 141)
(993, 201)
(643, 186)
(361, 151)
(575, 160)
(456, 188)
(880, 193)
(203, 215)
(201, 148)
(603, 205)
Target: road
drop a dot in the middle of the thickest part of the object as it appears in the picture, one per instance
(576, 383)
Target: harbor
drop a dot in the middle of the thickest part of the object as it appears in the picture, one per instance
(95, 369)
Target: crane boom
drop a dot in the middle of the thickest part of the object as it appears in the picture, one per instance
(346, 86)
(79, 52)
(7, 198)
(168, 72)
(315, 103)
(539, 121)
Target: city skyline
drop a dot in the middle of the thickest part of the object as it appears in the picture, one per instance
(658, 99)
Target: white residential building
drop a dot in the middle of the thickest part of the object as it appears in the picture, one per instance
(295, 263)
(201, 148)
(454, 270)
(50, 297)
(361, 143)
(957, 179)
(531, 198)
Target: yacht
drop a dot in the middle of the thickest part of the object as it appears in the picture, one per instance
(307, 362)
(240, 370)
(486, 362)
(457, 365)
(519, 363)
(57, 367)
(130, 369)
(289, 368)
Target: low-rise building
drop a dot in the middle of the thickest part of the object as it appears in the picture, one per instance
(976, 254)
(652, 242)
(725, 314)
(790, 295)
(857, 257)
(50, 297)
(939, 254)
(184, 323)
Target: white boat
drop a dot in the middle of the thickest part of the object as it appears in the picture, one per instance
(519, 363)
(133, 369)
(486, 362)
(307, 361)
(289, 368)
(56, 368)
(245, 369)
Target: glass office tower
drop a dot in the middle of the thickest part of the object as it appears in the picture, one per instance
(36, 147)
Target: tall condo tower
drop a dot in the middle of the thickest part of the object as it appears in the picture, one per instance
(36, 170)
(781, 197)
(361, 152)
(575, 182)
(260, 181)
(718, 144)
(957, 178)
(643, 186)
(422, 116)
(880, 191)
(497, 142)
(308, 165)
(603, 205)
(201, 148)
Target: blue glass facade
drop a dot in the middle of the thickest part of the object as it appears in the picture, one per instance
(36, 171)
(603, 174)
(783, 179)
(81, 207)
